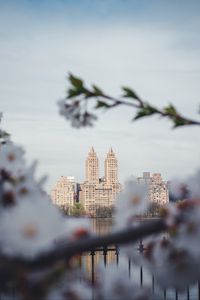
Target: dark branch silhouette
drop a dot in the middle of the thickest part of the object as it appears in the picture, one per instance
(64, 250)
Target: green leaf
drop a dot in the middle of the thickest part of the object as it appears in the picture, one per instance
(76, 82)
(73, 93)
(171, 110)
(101, 104)
(77, 87)
(179, 122)
(129, 93)
(145, 111)
(97, 90)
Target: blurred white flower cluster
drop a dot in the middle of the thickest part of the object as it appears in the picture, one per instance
(12, 160)
(174, 258)
(131, 203)
(171, 266)
(185, 189)
(114, 283)
(29, 223)
(71, 287)
(76, 113)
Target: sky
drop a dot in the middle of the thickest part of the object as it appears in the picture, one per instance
(152, 46)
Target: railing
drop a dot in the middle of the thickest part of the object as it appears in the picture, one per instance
(136, 274)
(102, 247)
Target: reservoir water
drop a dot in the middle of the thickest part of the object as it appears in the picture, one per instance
(90, 262)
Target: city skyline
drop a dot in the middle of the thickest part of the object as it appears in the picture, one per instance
(101, 155)
(101, 191)
(95, 191)
(101, 169)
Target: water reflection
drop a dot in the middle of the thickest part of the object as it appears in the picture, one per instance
(101, 226)
(137, 274)
(101, 257)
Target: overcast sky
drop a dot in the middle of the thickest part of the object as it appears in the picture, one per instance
(152, 46)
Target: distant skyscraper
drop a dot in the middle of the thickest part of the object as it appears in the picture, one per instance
(100, 192)
(158, 189)
(64, 192)
(111, 168)
(92, 167)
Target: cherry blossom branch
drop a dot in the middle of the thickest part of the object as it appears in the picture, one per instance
(65, 250)
(73, 107)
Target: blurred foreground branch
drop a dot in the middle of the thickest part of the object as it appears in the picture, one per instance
(64, 250)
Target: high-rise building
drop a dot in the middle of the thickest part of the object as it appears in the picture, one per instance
(111, 168)
(92, 167)
(64, 192)
(99, 192)
(157, 188)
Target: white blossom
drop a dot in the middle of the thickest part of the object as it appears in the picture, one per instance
(11, 159)
(31, 224)
(68, 110)
(27, 187)
(32, 227)
(185, 189)
(69, 288)
(171, 266)
(170, 214)
(193, 184)
(131, 202)
(175, 261)
(29, 227)
(75, 113)
(187, 233)
(114, 283)
(177, 190)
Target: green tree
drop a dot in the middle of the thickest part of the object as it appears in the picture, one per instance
(77, 210)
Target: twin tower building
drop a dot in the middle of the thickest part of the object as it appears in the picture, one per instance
(94, 192)
(98, 192)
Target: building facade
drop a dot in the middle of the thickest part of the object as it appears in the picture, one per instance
(99, 192)
(157, 188)
(64, 192)
(96, 192)
(92, 167)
